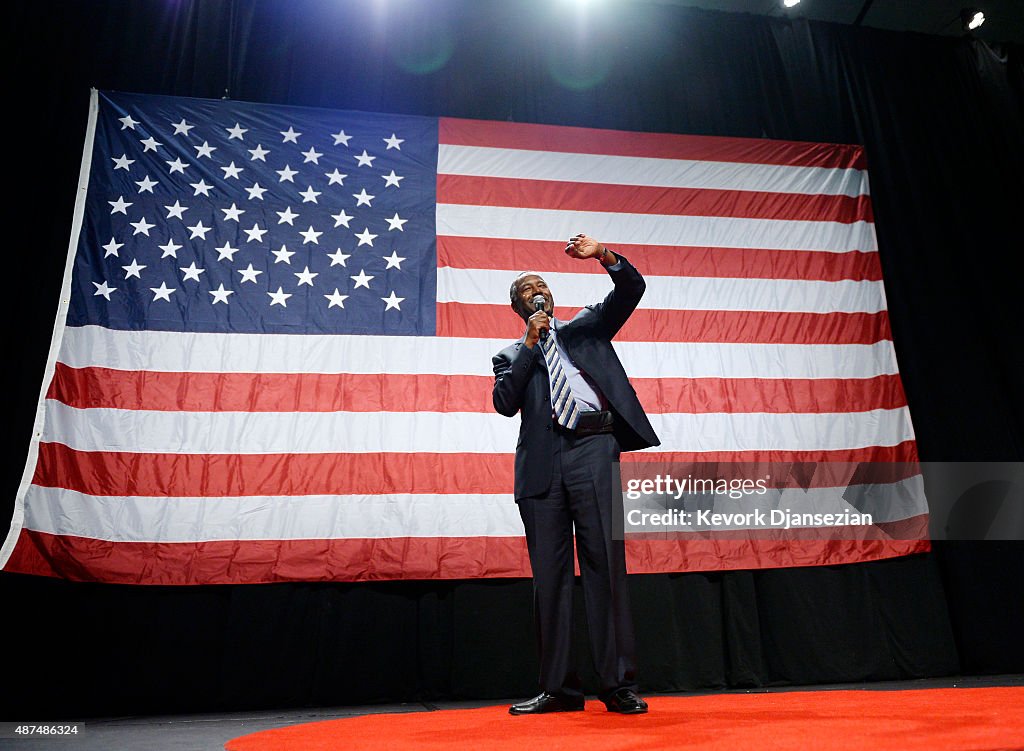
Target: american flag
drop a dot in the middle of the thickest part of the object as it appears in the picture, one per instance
(272, 356)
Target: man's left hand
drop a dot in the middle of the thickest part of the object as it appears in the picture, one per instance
(583, 246)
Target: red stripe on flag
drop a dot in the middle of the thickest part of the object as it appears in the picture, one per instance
(661, 260)
(456, 319)
(269, 392)
(114, 473)
(88, 388)
(264, 561)
(657, 145)
(558, 195)
(902, 452)
(772, 395)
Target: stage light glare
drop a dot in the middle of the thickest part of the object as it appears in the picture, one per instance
(971, 18)
(790, 3)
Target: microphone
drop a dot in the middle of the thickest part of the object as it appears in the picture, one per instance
(538, 304)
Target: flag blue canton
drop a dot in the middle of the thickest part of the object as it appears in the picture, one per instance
(218, 216)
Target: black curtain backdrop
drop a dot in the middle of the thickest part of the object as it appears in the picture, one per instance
(942, 120)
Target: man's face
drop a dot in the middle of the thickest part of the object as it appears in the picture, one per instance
(530, 286)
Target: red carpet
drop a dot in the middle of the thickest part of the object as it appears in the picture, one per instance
(948, 718)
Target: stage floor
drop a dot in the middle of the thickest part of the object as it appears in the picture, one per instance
(209, 732)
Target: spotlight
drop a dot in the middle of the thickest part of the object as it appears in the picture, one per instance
(790, 3)
(971, 18)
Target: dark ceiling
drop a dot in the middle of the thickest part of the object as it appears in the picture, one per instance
(1004, 18)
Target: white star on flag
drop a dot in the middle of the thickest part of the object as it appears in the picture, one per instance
(394, 142)
(201, 187)
(133, 269)
(259, 153)
(341, 137)
(279, 298)
(306, 276)
(205, 150)
(336, 299)
(122, 162)
(283, 255)
(363, 198)
(142, 227)
(394, 261)
(309, 195)
(290, 135)
(149, 144)
(335, 177)
(220, 294)
(198, 230)
(191, 272)
(286, 174)
(249, 274)
(171, 248)
(311, 156)
(338, 258)
(392, 179)
(365, 237)
(163, 292)
(120, 206)
(287, 216)
(177, 166)
(226, 251)
(146, 185)
(365, 160)
(232, 214)
(127, 122)
(182, 128)
(237, 132)
(311, 236)
(392, 301)
(396, 222)
(112, 248)
(362, 279)
(176, 211)
(255, 233)
(103, 289)
(231, 171)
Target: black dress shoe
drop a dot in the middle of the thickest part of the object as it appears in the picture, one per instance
(625, 701)
(545, 702)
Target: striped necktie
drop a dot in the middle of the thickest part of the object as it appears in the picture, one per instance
(563, 403)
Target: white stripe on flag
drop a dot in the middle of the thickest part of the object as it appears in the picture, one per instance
(307, 517)
(94, 346)
(320, 517)
(654, 229)
(103, 429)
(484, 286)
(482, 161)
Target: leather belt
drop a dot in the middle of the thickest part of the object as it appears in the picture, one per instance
(591, 422)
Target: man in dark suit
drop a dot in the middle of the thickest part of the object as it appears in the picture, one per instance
(578, 412)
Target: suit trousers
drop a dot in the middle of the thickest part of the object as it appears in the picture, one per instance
(580, 496)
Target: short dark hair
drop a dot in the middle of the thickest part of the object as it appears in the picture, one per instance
(518, 305)
(513, 291)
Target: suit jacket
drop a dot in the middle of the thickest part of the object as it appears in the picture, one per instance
(521, 382)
